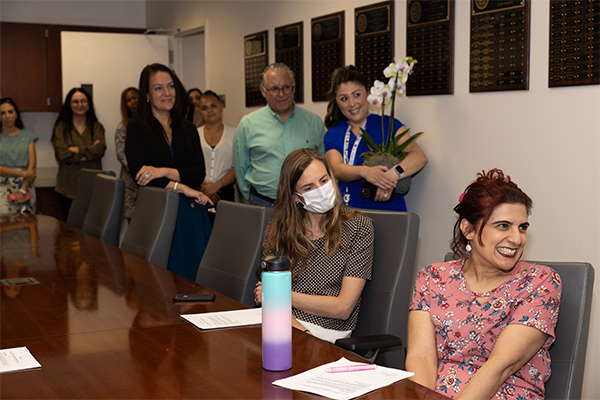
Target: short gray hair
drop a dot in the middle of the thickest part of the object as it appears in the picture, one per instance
(277, 67)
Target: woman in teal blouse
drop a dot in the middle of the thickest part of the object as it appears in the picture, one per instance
(17, 162)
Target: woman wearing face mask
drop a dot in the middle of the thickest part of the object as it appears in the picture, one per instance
(330, 247)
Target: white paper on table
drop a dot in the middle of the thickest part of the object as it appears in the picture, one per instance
(225, 319)
(17, 359)
(342, 385)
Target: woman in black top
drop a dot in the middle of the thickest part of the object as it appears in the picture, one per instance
(163, 150)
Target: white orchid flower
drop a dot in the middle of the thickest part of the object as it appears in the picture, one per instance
(390, 70)
(375, 100)
(392, 83)
(387, 92)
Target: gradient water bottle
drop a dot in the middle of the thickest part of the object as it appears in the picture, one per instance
(276, 313)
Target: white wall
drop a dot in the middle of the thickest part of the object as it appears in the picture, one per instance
(548, 140)
(125, 13)
(110, 62)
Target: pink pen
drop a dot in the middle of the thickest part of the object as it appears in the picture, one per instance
(352, 368)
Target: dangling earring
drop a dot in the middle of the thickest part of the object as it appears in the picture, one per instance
(468, 246)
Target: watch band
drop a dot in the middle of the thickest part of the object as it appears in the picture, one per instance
(400, 171)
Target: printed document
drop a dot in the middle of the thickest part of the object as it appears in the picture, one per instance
(17, 359)
(342, 385)
(225, 319)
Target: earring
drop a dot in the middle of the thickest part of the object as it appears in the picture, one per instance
(468, 246)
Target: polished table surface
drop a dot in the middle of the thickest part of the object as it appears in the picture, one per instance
(102, 324)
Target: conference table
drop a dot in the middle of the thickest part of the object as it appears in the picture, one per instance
(103, 325)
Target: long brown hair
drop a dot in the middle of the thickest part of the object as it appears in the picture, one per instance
(285, 232)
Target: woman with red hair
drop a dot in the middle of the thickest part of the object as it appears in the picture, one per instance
(481, 326)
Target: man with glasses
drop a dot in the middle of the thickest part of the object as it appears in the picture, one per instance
(265, 137)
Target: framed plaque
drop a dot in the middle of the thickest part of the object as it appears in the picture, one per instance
(289, 49)
(256, 58)
(374, 39)
(430, 40)
(327, 42)
(499, 58)
(574, 43)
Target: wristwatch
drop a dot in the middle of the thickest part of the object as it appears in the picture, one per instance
(400, 171)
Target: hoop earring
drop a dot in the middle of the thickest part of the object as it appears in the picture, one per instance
(468, 247)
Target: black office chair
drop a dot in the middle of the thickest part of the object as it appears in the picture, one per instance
(383, 319)
(150, 232)
(568, 351)
(83, 196)
(234, 250)
(103, 218)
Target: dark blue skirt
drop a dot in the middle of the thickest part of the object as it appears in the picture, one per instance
(190, 238)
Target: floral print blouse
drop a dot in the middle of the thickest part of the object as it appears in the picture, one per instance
(466, 330)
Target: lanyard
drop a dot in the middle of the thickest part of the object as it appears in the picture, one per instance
(350, 160)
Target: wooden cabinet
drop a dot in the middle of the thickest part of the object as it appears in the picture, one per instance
(30, 63)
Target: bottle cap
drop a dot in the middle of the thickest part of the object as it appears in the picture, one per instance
(275, 262)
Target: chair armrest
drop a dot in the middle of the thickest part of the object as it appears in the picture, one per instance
(363, 343)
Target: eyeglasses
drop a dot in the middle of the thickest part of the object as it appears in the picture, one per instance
(274, 90)
(83, 102)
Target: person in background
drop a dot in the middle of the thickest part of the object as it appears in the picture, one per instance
(193, 109)
(265, 137)
(129, 104)
(163, 150)
(216, 140)
(480, 327)
(329, 245)
(78, 141)
(347, 113)
(17, 162)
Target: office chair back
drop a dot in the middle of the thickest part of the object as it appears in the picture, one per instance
(234, 250)
(83, 196)
(103, 218)
(150, 232)
(568, 352)
(385, 298)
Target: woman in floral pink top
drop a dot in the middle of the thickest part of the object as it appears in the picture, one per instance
(480, 327)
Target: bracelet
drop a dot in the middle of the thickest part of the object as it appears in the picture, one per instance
(23, 191)
(175, 187)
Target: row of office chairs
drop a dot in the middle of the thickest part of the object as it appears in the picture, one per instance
(98, 206)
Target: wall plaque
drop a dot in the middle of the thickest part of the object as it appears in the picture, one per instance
(289, 50)
(574, 43)
(374, 39)
(256, 58)
(499, 45)
(430, 39)
(327, 44)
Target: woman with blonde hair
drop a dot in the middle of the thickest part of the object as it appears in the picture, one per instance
(329, 245)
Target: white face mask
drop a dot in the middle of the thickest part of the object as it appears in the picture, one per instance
(319, 200)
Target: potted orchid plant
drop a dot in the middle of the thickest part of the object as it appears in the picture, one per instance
(390, 153)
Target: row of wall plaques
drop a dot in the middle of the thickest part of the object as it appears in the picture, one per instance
(430, 40)
(574, 43)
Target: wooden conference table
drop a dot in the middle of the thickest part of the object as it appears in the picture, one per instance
(103, 325)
